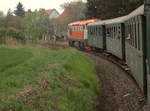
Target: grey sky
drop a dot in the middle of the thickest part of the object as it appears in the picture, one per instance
(32, 4)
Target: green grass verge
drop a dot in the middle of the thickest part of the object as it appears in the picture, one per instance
(39, 79)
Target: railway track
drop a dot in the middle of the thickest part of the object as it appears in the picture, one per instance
(117, 80)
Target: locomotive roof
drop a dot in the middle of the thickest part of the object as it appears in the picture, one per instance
(138, 11)
(83, 22)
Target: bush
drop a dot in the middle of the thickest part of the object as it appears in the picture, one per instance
(17, 34)
(2, 36)
(5, 34)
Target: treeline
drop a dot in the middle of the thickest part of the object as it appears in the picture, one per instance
(20, 26)
(23, 26)
(105, 9)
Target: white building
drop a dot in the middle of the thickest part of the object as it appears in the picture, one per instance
(52, 13)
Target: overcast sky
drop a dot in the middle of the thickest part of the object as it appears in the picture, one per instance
(32, 4)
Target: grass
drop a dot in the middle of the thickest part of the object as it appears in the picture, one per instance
(39, 79)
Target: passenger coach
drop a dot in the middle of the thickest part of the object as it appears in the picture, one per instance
(135, 46)
(110, 36)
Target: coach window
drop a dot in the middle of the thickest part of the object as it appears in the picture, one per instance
(111, 32)
(117, 28)
(114, 32)
(90, 30)
(83, 27)
(94, 30)
(99, 31)
(135, 32)
(127, 33)
(133, 35)
(133, 39)
(133, 26)
(119, 31)
(130, 41)
(108, 32)
(139, 34)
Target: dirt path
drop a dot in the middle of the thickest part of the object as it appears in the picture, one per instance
(119, 93)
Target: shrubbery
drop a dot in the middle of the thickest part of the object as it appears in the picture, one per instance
(11, 33)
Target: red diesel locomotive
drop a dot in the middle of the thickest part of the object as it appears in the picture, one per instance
(78, 33)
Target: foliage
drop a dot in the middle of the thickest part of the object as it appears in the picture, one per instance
(35, 24)
(11, 33)
(2, 35)
(19, 10)
(41, 79)
(73, 11)
(2, 18)
(105, 9)
(8, 17)
(17, 34)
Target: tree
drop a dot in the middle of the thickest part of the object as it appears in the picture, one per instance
(2, 18)
(106, 9)
(73, 11)
(19, 10)
(36, 24)
(76, 10)
(9, 13)
(8, 17)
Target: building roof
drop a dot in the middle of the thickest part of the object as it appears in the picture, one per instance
(49, 11)
(63, 15)
(29, 11)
